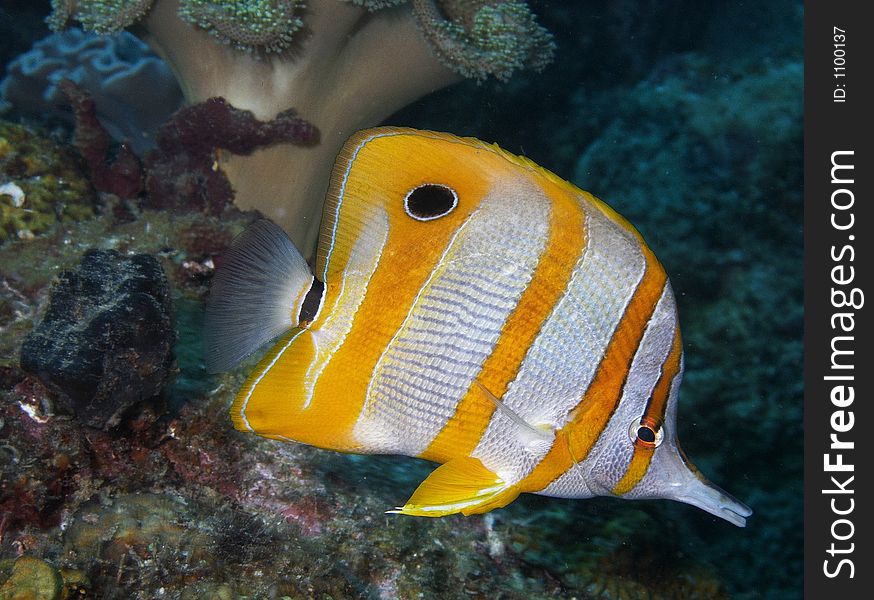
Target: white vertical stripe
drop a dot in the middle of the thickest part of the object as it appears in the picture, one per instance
(611, 454)
(560, 364)
(363, 260)
(454, 322)
(663, 471)
(342, 191)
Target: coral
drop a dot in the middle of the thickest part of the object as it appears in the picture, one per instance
(106, 340)
(266, 24)
(358, 63)
(376, 4)
(131, 527)
(30, 577)
(478, 39)
(352, 69)
(204, 127)
(123, 176)
(182, 173)
(100, 16)
(134, 91)
(14, 193)
(41, 464)
(54, 189)
(137, 542)
(624, 556)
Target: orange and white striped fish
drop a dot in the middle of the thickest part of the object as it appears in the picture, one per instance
(470, 308)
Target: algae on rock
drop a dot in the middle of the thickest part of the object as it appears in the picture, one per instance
(55, 190)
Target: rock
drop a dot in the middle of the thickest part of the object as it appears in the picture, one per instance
(30, 579)
(106, 341)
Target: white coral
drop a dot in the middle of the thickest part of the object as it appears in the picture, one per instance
(15, 193)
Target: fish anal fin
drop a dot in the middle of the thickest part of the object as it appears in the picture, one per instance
(462, 485)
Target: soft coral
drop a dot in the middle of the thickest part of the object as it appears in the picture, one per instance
(348, 69)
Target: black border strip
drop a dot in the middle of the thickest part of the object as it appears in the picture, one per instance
(838, 264)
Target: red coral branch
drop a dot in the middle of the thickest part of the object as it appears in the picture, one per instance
(122, 176)
(182, 172)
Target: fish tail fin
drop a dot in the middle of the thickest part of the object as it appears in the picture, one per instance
(462, 485)
(256, 294)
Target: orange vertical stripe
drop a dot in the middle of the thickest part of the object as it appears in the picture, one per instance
(593, 412)
(654, 416)
(636, 469)
(403, 268)
(658, 401)
(565, 245)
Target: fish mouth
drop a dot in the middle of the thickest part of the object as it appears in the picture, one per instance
(711, 498)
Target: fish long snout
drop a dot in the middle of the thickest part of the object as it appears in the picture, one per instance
(707, 496)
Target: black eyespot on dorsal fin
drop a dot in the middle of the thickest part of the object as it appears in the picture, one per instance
(430, 201)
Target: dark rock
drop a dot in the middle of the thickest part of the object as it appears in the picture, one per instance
(107, 337)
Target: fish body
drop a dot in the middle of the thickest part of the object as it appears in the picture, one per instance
(470, 308)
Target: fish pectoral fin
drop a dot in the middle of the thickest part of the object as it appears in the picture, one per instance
(463, 485)
(531, 434)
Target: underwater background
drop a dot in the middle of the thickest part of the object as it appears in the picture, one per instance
(686, 117)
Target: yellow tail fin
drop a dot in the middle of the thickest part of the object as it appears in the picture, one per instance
(463, 485)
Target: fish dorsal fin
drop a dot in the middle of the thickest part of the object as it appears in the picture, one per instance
(380, 175)
(462, 485)
(256, 294)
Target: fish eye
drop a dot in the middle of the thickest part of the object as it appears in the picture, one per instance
(645, 434)
(430, 201)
